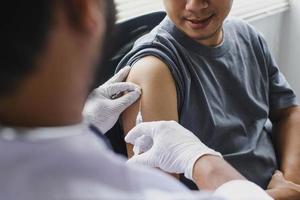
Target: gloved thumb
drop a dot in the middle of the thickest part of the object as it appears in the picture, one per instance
(119, 88)
(145, 128)
(142, 159)
(127, 99)
(142, 144)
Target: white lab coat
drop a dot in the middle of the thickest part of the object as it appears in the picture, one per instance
(72, 163)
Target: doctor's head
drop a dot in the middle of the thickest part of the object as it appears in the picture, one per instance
(201, 20)
(48, 48)
(35, 32)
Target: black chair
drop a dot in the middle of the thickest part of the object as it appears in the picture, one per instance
(127, 33)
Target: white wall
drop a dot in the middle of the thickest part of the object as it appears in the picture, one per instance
(289, 57)
(271, 27)
(282, 32)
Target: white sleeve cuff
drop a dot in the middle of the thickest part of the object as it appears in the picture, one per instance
(241, 189)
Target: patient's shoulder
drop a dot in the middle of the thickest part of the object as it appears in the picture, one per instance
(150, 69)
(159, 94)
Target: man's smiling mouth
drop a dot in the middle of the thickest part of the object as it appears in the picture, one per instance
(196, 23)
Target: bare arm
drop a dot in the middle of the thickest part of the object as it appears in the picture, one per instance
(287, 140)
(158, 100)
(210, 172)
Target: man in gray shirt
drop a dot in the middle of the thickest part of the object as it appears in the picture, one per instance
(47, 150)
(218, 78)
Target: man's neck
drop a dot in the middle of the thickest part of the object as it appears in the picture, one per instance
(39, 111)
(214, 40)
(26, 118)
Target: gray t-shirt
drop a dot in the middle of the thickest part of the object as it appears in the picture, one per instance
(225, 94)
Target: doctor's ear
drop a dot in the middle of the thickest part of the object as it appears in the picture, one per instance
(85, 15)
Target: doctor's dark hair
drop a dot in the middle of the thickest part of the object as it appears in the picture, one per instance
(24, 25)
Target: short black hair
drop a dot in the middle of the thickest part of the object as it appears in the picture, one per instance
(24, 25)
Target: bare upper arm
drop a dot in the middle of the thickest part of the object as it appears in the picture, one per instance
(281, 114)
(159, 98)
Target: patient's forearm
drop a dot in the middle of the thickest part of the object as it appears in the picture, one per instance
(287, 131)
(210, 172)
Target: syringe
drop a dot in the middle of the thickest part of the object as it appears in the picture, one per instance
(138, 120)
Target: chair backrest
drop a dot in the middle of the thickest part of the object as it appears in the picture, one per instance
(127, 33)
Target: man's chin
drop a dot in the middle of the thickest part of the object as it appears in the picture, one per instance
(209, 37)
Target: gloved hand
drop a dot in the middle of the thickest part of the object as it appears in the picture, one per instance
(107, 102)
(174, 149)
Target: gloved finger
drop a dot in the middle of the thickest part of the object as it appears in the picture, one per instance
(142, 144)
(142, 159)
(120, 76)
(116, 89)
(126, 100)
(145, 128)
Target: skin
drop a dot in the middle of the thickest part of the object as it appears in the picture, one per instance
(282, 189)
(55, 93)
(211, 171)
(287, 140)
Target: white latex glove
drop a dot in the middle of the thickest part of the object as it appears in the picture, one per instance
(107, 102)
(174, 149)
